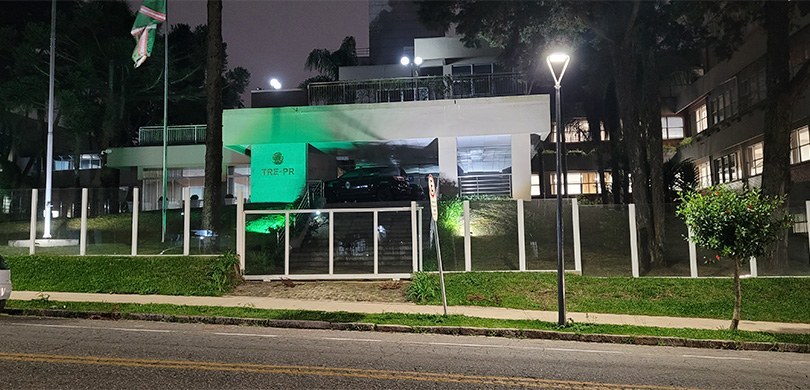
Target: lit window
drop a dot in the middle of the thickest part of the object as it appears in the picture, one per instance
(753, 156)
(581, 183)
(701, 119)
(704, 175)
(536, 185)
(800, 145)
(90, 161)
(671, 127)
(800, 223)
(725, 169)
(63, 163)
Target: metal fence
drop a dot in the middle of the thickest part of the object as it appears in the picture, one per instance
(417, 88)
(177, 135)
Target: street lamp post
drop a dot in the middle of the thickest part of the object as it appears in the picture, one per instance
(558, 62)
(414, 65)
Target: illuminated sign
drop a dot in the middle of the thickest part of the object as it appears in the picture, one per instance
(278, 172)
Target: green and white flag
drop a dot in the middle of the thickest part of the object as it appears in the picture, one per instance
(151, 13)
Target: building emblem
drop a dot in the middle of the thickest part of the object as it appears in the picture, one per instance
(278, 158)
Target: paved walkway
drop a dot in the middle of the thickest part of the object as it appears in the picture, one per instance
(388, 307)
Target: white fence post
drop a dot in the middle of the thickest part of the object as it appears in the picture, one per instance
(186, 220)
(467, 238)
(633, 239)
(136, 205)
(286, 243)
(240, 229)
(414, 239)
(521, 236)
(807, 218)
(753, 263)
(83, 231)
(331, 243)
(693, 268)
(376, 243)
(577, 242)
(32, 235)
(419, 237)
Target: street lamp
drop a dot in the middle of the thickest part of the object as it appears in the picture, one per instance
(557, 63)
(275, 83)
(414, 65)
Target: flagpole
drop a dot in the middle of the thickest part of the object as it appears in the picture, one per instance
(46, 233)
(165, 116)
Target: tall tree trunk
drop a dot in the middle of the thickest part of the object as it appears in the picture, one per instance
(776, 145)
(633, 86)
(651, 122)
(735, 317)
(616, 143)
(213, 139)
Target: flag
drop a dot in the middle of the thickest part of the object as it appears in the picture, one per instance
(151, 13)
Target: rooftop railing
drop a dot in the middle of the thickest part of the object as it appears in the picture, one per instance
(417, 88)
(177, 135)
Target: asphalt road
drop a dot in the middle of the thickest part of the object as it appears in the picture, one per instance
(67, 353)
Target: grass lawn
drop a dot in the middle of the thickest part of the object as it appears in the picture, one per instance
(409, 319)
(176, 275)
(764, 299)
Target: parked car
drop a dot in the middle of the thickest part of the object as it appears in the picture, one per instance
(5, 283)
(378, 183)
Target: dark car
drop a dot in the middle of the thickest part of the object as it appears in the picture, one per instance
(380, 183)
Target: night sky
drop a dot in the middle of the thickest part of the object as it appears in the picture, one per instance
(271, 38)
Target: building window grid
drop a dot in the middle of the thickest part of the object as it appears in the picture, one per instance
(701, 118)
(800, 145)
(754, 157)
(578, 131)
(725, 169)
(723, 102)
(86, 161)
(671, 127)
(704, 175)
(581, 183)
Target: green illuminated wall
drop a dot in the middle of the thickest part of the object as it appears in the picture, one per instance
(278, 172)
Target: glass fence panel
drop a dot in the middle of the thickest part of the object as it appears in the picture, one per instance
(605, 240)
(264, 244)
(109, 221)
(150, 238)
(451, 236)
(354, 242)
(541, 234)
(675, 246)
(15, 220)
(395, 246)
(493, 235)
(797, 261)
(309, 243)
(65, 224)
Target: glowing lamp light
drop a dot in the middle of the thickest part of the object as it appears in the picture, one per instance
(417, 61)
(275, 83)
(404, 60)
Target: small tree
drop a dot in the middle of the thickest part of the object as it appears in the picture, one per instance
(737, 225)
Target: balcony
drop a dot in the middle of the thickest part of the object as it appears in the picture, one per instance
(177, 135)
(417, 88)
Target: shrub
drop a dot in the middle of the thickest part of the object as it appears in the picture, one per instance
(424, 287)
(736, 225)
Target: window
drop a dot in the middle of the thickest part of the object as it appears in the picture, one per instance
(63, 163)
(577, 130)
(581, 183)
(86, 161)
(536, 185)
(90, 161)
(799, 223)
(723, 102)
(752, 85)
(704, 175)
(753, 156)
(800, 145)
(671, 127)
(701, 120)
(725, 169)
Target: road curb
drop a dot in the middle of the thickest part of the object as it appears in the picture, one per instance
(445, 330)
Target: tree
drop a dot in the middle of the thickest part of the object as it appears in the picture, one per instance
(215, 62)
(735, 225)
(327, 63)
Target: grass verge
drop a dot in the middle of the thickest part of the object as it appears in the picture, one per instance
(764, 299)
(410, 320)
(186, 275)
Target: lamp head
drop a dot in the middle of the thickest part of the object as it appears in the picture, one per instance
(404, 60)
(275, 83)
(417, 61)
(557, 63)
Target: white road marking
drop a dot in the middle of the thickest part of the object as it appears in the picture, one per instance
(246, 334)
(582, 350)
(715, 357)
(93, 327)
(350, 339)
(513, 347)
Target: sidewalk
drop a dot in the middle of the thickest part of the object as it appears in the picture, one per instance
(410, 308)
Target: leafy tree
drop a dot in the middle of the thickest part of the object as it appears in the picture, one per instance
(327, 63)
(735, 225)
(213, 139)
